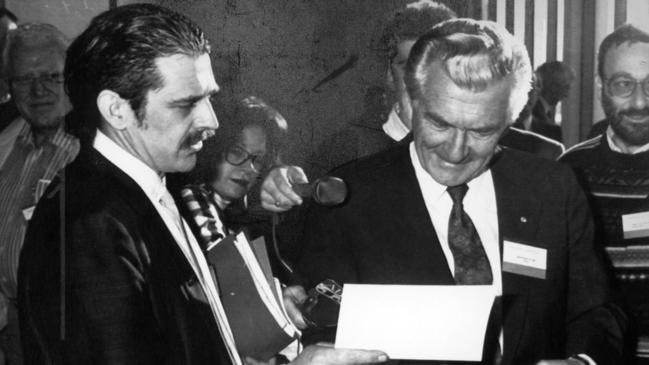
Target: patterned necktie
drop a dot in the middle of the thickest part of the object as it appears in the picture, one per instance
(471, 263)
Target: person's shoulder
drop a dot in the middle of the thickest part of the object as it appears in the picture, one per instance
(533, 143)
(541, 177)
(583, 151)
(379, 163)
(522, 160)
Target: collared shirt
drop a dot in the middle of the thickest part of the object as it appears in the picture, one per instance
(394, 126)
(25, 172)
(479, 204)
(155, 189)
(8, 138)
(610, 136)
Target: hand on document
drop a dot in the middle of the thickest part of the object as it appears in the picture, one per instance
(294, 296)
(326, 354)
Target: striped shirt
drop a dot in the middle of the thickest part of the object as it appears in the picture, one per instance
(201, 202)
(25, 172)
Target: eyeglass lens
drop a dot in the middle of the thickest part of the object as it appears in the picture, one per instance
(624, 86)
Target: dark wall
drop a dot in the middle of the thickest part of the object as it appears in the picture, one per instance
(281, 49)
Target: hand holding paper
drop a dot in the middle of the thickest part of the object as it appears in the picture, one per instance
(294, 296)
(326, 354)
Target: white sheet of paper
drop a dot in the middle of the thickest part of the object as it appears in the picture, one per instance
(418, 322)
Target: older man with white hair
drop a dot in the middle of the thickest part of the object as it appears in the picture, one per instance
(33, 148)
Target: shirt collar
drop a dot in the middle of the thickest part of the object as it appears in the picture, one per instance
(394, 126)
(611, 137)
(151, 183)
(60, 139)
(436, 190)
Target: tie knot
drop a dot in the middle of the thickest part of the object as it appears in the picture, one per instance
(457, 193)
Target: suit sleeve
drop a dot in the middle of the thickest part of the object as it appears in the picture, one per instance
(327, 251)
(109, 307)
(595, 322)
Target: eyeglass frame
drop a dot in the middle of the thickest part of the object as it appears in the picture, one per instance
(644, 84)
(256, 161)
(47, 80)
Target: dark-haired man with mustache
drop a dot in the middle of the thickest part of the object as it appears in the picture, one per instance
(613, 168)
(110, 272)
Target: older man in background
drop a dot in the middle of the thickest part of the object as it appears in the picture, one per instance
(33, 148)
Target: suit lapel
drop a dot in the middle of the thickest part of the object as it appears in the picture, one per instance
(518, 212)
(408, 197)
(139, 202)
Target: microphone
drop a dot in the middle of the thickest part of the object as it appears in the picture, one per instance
(327, 190)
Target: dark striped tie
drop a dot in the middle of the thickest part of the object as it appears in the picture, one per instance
(471, 263)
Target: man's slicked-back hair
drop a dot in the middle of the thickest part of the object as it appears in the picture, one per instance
(474, 55)
(118, 52)
(622, 34)
(412, 21)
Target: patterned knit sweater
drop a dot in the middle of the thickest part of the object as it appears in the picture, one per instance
(617, 186)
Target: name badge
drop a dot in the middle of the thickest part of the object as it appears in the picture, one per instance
(635, 225)
(524, 259)
(28, 212)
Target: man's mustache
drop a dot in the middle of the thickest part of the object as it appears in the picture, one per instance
(197, 136)
(635, 112)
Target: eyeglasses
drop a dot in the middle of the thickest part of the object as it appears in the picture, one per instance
(623, 86)
(49, 81)
(237, 156)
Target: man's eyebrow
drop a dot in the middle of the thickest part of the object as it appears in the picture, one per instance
(191, 99)
(443, 122)
(621, 74)
(436, 117)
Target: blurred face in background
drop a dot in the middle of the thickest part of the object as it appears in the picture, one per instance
(242, 163)
(36, 79)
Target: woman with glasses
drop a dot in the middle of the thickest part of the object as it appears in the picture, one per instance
(245, 146)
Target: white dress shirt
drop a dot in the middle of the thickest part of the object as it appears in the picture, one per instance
(479, 204)
(154, 187)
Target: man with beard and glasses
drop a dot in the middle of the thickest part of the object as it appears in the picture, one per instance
(110, 273)
(613, 168)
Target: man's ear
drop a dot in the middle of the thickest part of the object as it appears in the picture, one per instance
(115, 110)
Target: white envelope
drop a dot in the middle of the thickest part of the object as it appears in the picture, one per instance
(418, 322)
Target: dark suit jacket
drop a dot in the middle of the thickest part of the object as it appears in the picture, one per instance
(358, 139)
(383, 235)
(531, 142)
(130, 296)
(548, 129)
